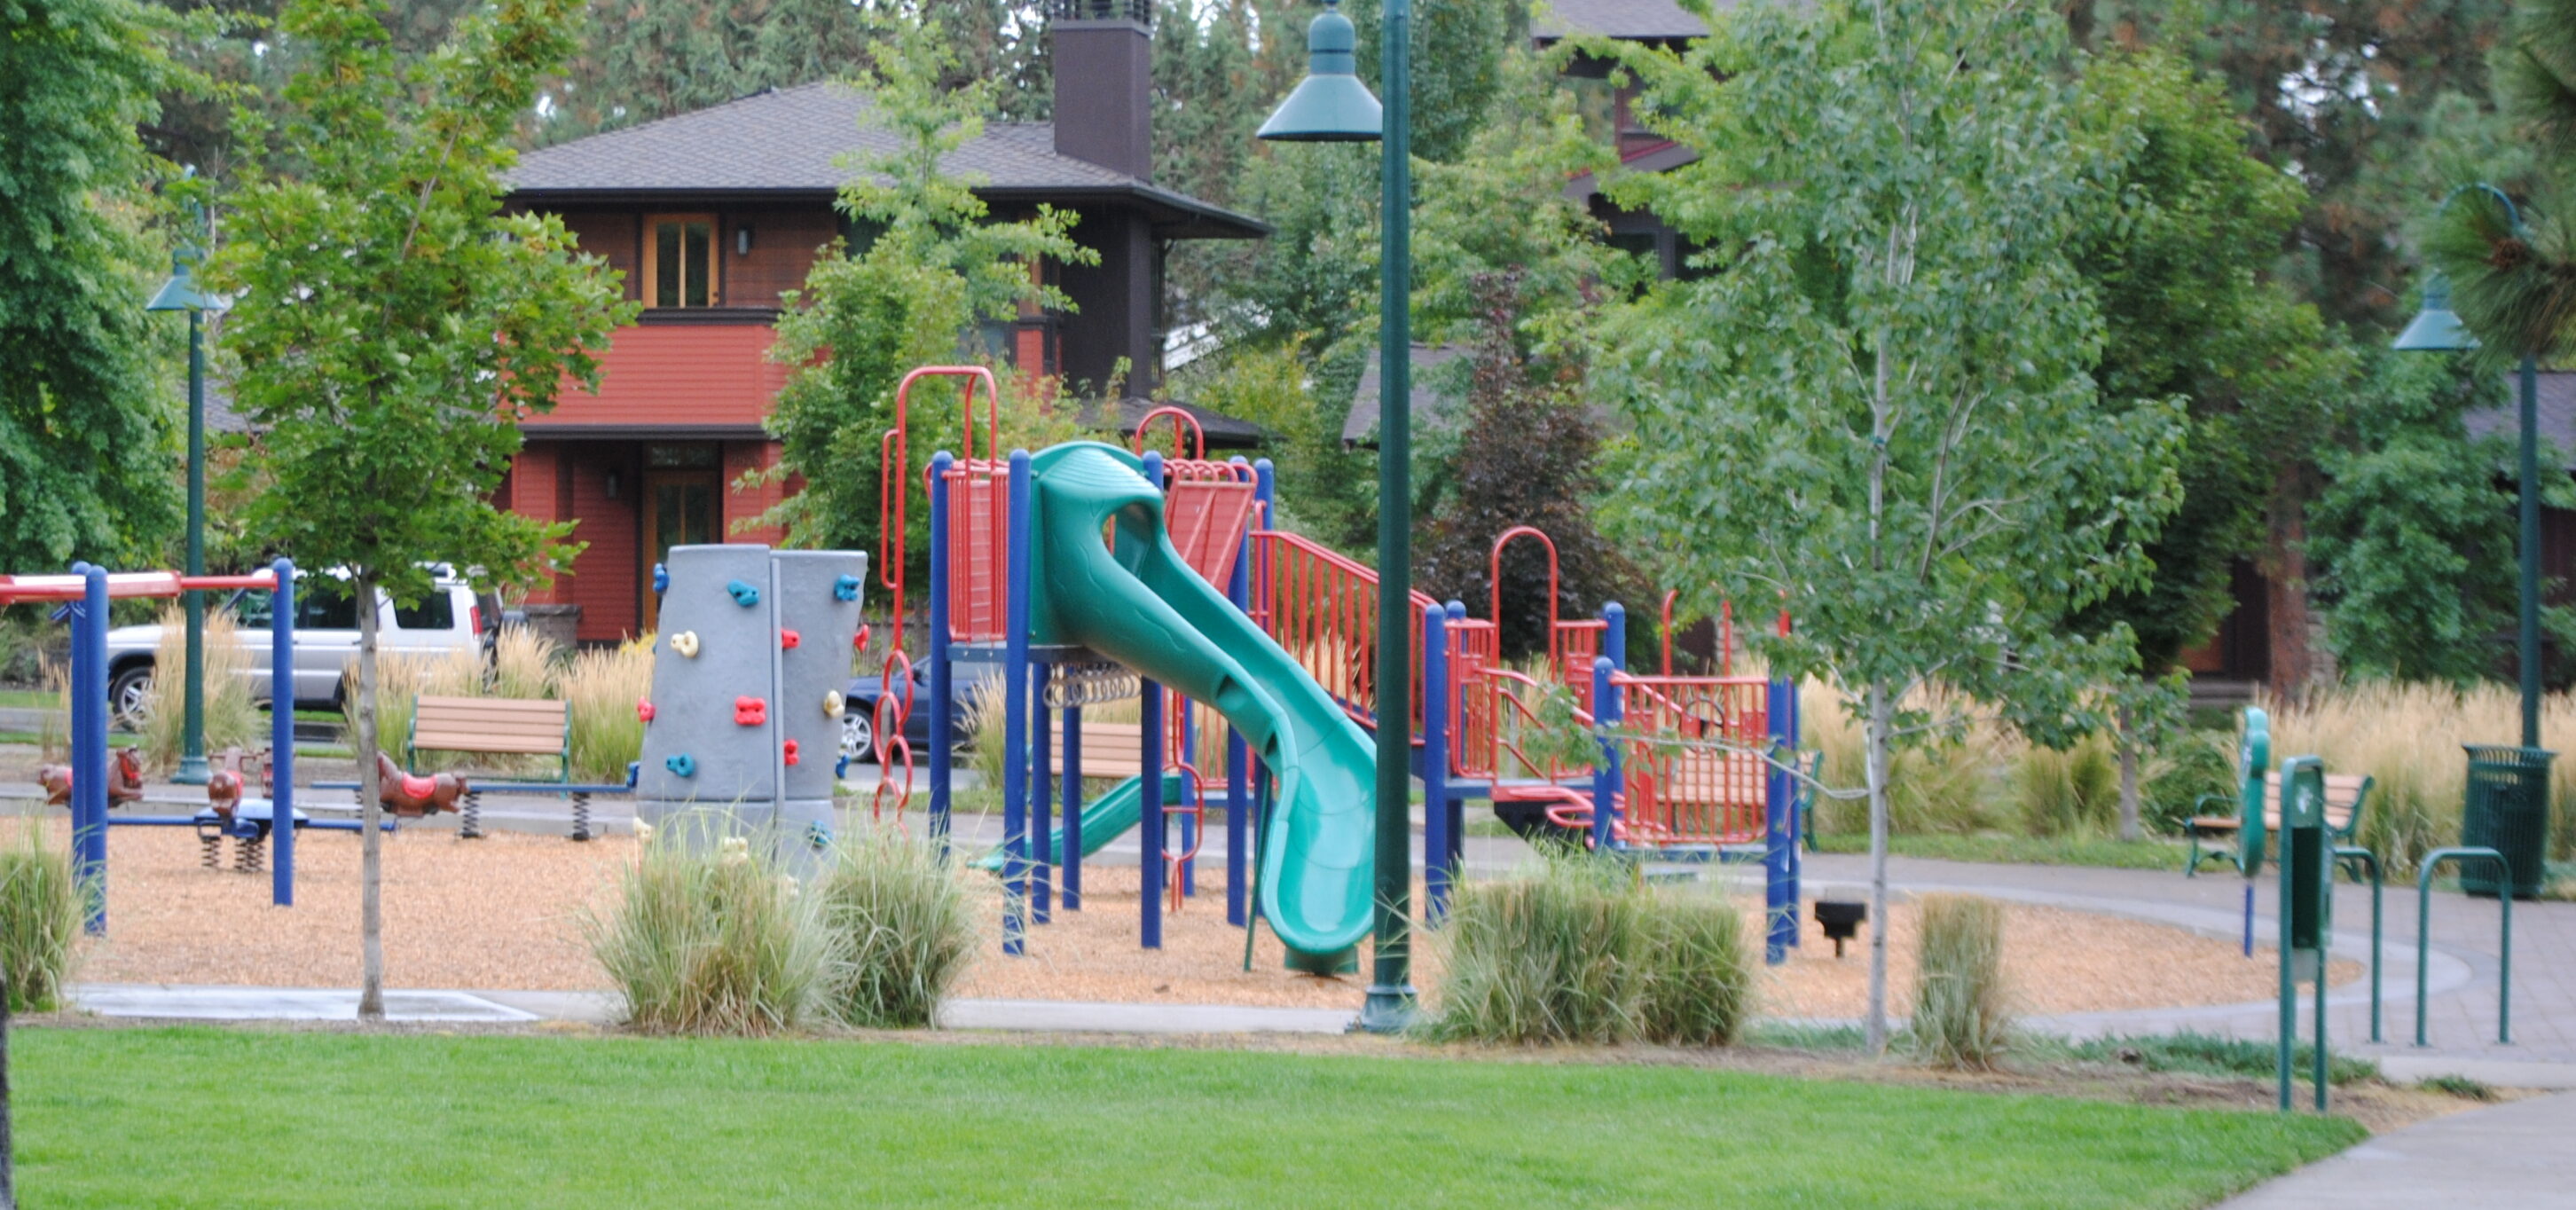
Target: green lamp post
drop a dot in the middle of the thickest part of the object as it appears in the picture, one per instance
(180, 293)
(1331, 106)
(2437, 329)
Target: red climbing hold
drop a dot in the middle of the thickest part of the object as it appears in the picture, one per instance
(788, 639)
(791, 751)
(644, 710)
(750, 711)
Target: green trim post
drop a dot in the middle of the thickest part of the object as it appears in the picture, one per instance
(2424, 932)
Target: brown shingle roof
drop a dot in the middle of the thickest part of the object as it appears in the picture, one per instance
(788, 141)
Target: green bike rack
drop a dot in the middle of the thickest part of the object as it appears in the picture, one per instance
(2344, 853)
(2424, 933)
(2306, 909)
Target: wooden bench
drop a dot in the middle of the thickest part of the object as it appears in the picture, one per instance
(491, 726)
(2346, 796)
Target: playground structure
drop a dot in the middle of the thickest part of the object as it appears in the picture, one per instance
(85, 595)
(746, 682)
(1084, 569)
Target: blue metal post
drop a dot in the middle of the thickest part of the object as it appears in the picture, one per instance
(281, 705)
(1041, 830)
(89, 743)
(1438, 865)
(1238, 590)
(1779, 836)
(1072, 855)
(1015, 716)
(1149, 826)
(942, 763)
(1605, 776)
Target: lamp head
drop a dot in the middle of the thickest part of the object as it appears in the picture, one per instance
(180, 293)
(2436, 328)
(1330, 105)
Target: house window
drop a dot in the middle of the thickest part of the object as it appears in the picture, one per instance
(679, 260)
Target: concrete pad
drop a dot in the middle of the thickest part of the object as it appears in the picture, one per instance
(285, 1004)
(2504, 1155)
(1089, 1017)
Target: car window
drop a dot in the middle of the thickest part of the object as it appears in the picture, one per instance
(325, 605)
(437, 611)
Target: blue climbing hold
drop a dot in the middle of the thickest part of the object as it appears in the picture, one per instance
(846, 588)
(661, 579)
(743, 593)
(683, 764)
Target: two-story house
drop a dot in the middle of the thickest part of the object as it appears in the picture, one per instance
(711, 214)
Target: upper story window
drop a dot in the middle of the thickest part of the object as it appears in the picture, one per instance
(679, 260)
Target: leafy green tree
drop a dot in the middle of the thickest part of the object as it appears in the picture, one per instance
(936, 267)
(2184, 227)
(393, 323)
(86, 424)
(1880, 405)
(2414, 532)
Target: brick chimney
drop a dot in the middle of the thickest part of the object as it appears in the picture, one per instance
(1104, 82)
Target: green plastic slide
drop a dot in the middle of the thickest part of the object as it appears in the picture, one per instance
(1137, 602)
(1104, 819)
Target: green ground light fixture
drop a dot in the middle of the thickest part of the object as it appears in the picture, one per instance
(1331, 106)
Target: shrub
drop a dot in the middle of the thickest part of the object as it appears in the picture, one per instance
(711, 940)
(600, 688)
(40, 918)
(1960, 1014)
(231, 718)
(523, 664)
(1699, 971)
(903, 926)
(2069, 792)
(1577, 951)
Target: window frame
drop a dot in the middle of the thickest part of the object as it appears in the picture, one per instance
(649, 282)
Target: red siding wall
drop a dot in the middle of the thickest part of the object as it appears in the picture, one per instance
(677, 374)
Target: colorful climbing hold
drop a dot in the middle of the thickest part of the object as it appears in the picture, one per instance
(661, 579)
(743, 593)
(686, 643)
(833, 703)
(750, 711)
(788, 639)
(644, 709)
(846, 588)
(789, 748)
(682, 763)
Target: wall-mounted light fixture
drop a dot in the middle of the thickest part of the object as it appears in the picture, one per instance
(742, 241)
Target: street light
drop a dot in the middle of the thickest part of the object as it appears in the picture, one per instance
(180, 293)
(1331, 106)
(2437, 329)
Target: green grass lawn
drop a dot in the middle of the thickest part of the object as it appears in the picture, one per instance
(2021, 850)
(206, 1117)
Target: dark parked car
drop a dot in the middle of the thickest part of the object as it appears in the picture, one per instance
(971, 680)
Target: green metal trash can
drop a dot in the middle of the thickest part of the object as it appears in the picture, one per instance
(2508, 811)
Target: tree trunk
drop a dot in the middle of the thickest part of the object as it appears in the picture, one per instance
(371, 870)
(1882, 716)
(2127, 716)
(2285, 585)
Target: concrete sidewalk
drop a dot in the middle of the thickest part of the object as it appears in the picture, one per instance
(2507, 1156)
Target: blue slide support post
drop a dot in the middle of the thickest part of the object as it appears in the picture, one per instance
(941, 688)
(1438, 868)
(1015, 716)
(89, 744)
(1605, 776)
(1072, 856)
(281, 672)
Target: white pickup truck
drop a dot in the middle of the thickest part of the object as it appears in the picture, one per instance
(326, 638)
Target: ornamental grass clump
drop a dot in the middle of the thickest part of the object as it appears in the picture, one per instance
(40, 917)
(1961, 1013)
(903, 927)
(711, 939)
(1576, 950)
